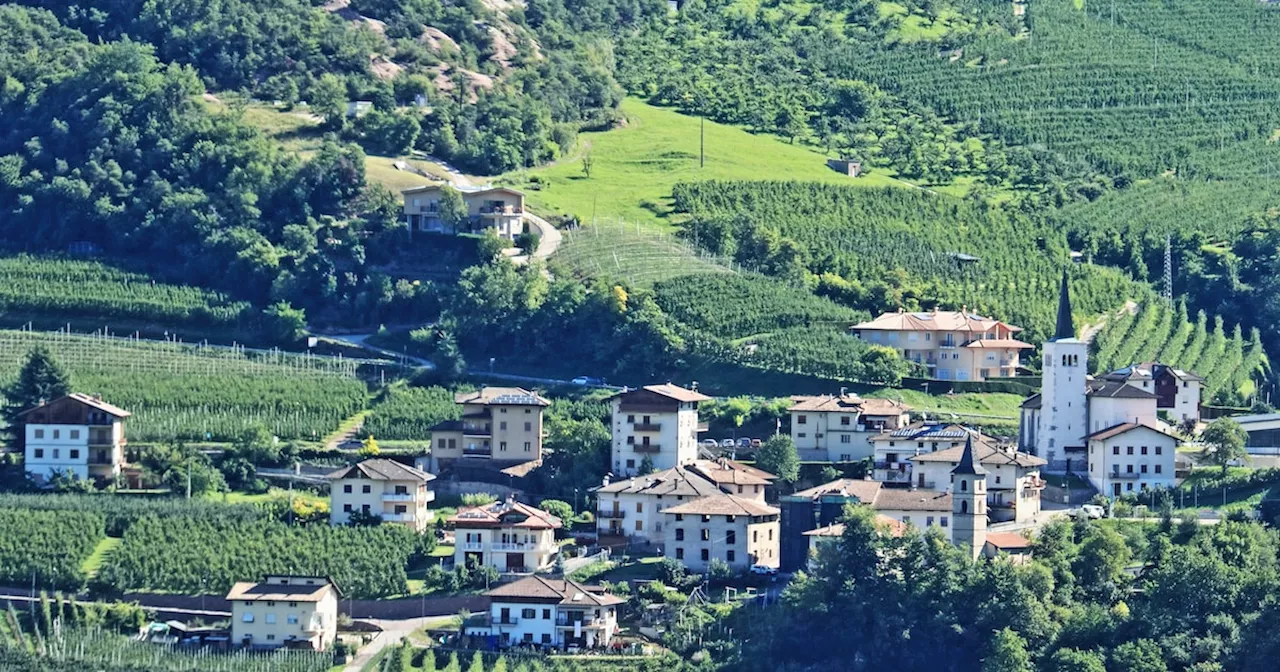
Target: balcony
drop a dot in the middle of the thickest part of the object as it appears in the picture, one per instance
(477, 451)
(471, 545)
(397, 497)
(527, 547)
(647, 426)
(506, 619)
(564, 621)
(607, 514)
(1035, 484)
(500, 210)
(314, 624)
(1125, 476)
(476, 430)
(398, 517)
(646, 448)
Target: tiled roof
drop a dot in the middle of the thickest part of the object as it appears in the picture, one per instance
(1123, 428)
(721, 504)
(942, 320)
(554, 591)
(245, 591)
(676, 392)
(730, 472)
(893, 526)
(1114, 390)
(677, 481)
(379, 469)
(1008, 540)
(506, 514)
(1032, 401)
(466, 189)
(894, 499)
(998, 343)
(864, 491)
(1150, 370)
(985, 452)
(501, 396)
(849, 403)
(87, 400)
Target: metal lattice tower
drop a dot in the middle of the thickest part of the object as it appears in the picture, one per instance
(1167, 290)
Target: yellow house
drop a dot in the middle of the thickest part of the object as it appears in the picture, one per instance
(396, 492)
(953, 345)
(488, 208)
(501, 424)
(298, 612)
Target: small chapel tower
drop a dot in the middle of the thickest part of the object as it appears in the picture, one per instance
(969, 503)
(1064, 384)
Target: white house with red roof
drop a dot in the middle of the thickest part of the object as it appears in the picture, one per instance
(839, 428)
(78, 434)
(549, 612)
(953, 345)
(509, 536)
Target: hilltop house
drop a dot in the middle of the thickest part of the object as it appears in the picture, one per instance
(548, 612)
(499, 424)
(658, 422)
(1107, 427)
(77, 434)
(285, 611)
(833, 428)
(396, 492)
(631, 508)
(509, 536)
(952, 345)
(740, 531)
(497, 209)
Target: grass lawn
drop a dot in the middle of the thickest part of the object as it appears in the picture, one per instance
(634, 168)
(988, 408)
(641, 568)
(273, 493)
(92, 563)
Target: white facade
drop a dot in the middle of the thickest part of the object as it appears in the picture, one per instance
(658, 422)
(395, 492)
(740, 540)
(507, 549)
(284, 610)
(76, 434)
(1131, 460)
(1105, 412)
(1012, 490)
(894, 449)
(841, 428)
(548, 612)
(1063, 417)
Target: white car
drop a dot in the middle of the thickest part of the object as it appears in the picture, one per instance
(1092, 511)
(727, 443)
(710, 443)
(764, 570)
(580, 380)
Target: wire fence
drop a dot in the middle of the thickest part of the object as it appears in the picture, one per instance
(636, 253)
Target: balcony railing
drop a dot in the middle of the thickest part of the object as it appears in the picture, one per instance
(313, 625)
(471, 545)
(564, 621)
(647, 426)
(1126, 476)
(501, 210)
(606, 514)
(506, 620)
(477, 451)
(397, 497)
(398, 517)
(532, 546)
(646, 448)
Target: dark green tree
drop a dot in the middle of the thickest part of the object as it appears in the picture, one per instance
(41, 379)
(778, 456)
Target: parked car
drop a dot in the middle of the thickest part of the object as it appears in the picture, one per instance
(744, 443)
(580, 380)
(756, 443)
(710, 443)
(764, 570)
(727, 443)
(1092, 511)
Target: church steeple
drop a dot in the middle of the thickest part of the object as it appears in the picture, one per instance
(968, 466)
(1064, 329)
(969, 503)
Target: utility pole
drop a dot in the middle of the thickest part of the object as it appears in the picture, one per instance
(1167, 291)
(702, 142)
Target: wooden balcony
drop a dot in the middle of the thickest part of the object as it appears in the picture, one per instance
(652, 448)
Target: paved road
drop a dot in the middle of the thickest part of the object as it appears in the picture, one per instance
(392, 633)
(206, 614)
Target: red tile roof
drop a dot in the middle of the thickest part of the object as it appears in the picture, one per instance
(554, 591)
(506, 514)
(1125, 427)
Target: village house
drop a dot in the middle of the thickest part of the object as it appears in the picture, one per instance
(500, 425)
(1177, 391)
(655, 422)
(548, 612)
(952, 345)
(1013, 481)
(77, 434)
(1012, 545)
(1109, 428)
(285, 611)
(832, 533)
(497, 209)
(510, 536)
(630, 508)
(397, 493)
(739, 531)
(893, 449)
(832, 428)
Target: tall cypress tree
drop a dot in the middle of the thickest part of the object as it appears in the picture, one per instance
(40, 380)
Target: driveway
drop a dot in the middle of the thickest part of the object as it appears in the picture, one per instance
(392, 633)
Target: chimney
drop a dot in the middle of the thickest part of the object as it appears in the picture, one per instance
(844, 391)
(97, 397)
(694, 386)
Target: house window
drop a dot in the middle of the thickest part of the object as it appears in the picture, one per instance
(57, 433)
(346, 508)
(528, 426)
(706, 534)
(75, 433)
(1159, 450)
(731, 537)
(631, 440)
(679, 554)
(270, 619)
(639, 526)
(39, 433)
(546, 638)
(1144, 450)
(1128, 468)
(639, 507)
(997, 480)
(942, 521)
(56, 453)
(844, 420)
(502, 446)
(802, 419)
(1128, 486)
(1144, 468)
(527, 446)
(771, 534)
(1115, 450)
(366, 488)
(291, 619)
(729, 519)
(679, 534)
(755, 536)
(528, 638)
(347, 488)
(1158, 468)
(907, 519)
(631, 464)
(293, 604)
(801, 435)
(729, 556)
(845, 438)
(1128, 450)
(528, 613)
(631, 419)
(679, 517)
(502, 425)
(739, 489)
(39, 453)
(271, 638)
(248, 617)
(546, 614)
(706, 555)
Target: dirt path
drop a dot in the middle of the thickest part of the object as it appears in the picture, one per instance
(392, 633)
(1092, 330)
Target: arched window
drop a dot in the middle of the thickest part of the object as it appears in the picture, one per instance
(964, 486)
(964, 507)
